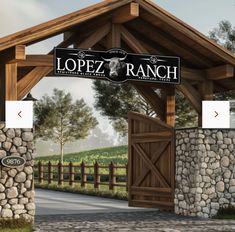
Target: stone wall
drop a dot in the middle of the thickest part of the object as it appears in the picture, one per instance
(16, 185)
(205, 171)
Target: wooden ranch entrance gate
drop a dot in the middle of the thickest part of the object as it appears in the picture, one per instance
(137, 26)
(151, 163)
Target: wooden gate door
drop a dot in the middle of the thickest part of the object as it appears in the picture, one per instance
(151, 165)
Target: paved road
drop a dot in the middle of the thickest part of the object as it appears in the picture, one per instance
(56, 203)
(80, 213)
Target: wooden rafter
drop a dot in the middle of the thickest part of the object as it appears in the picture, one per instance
(57, 26)
(191, 94)
(170, 43)
(94, 38)
(186, 31)
(131, 41)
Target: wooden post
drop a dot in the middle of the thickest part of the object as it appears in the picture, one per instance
(170, 106)
(112, 178)
(2, 92)
(206, 89)
(96, 175)
(71, 174)
(11, 81)
(127, 177)
(60, 174)
(8, 75)
(83, 175)
(50, 174)
(40, 172)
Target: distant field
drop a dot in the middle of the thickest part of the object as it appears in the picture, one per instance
(118, 155)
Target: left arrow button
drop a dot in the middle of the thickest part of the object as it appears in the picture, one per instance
(19, 114)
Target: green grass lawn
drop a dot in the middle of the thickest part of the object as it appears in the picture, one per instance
(15, 225)
(103, 191)
(118, 155)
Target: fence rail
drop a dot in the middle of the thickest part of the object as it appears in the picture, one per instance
(82, 174)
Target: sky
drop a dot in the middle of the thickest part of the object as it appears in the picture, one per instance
(203, 15)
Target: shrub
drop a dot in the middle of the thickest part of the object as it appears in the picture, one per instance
(226, 212)
(20, 223)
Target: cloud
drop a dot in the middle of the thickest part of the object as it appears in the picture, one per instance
(23, 14)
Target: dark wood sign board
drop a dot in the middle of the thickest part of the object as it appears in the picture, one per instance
(116, 65)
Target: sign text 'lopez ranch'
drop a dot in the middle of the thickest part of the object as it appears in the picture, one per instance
(116, 65)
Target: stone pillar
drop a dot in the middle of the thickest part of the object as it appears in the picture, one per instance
(16, 184)
(205, 171)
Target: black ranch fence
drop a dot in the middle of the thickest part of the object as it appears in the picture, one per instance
(111, 175)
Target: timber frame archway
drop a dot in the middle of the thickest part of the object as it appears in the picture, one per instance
(138, 26)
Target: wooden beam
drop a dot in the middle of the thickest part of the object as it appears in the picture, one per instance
(131, 41)
(170, 106)
(193, 74)
(191, 94)
(13, 54)
(37, 60)
(153, 99)
(126, 13)
(30, 80)
(220, 72)
(114, 38)
(11, 82)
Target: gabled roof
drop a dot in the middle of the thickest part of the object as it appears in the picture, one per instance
(156, 27)
(151, 15)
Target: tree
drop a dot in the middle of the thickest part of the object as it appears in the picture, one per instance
(61, 120)
(116, 100)
(224, 35)
(185, 115)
